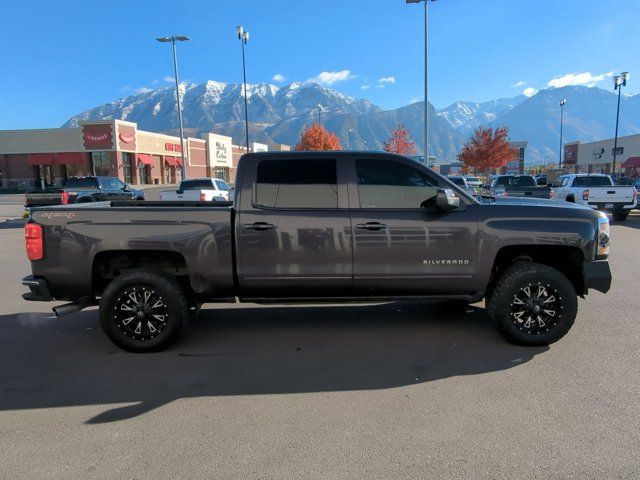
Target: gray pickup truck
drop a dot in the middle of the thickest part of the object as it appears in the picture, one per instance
(312, 227)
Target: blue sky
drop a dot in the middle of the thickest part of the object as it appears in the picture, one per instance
(59, 58)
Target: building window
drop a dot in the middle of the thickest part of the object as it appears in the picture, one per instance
(100, 163)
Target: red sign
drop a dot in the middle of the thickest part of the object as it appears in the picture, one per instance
(97, 136)
(172, 147)
(127, 138)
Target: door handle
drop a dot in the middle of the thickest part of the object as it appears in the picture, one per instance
(259, 226)
(371, 226)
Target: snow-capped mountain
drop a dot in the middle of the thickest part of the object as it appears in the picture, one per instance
(468, 115)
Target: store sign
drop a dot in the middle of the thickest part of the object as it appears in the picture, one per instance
(97, 136)
(172, 147)
(220, 150)
(128, 139)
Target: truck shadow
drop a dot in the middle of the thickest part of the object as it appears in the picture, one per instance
(47, 362)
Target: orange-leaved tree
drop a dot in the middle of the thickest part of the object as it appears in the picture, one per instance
(488, 149)
(316, 137)
(400, 142)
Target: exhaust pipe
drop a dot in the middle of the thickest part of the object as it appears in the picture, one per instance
(68, 308)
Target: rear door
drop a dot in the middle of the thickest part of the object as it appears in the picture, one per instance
(400, 247)
(293, 228)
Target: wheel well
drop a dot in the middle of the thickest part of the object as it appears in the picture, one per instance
(570, 198)
(567, 260)
(108, 265)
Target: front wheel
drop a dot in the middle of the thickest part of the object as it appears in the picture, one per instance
(533, 304)
(143, 310)
(619, 216)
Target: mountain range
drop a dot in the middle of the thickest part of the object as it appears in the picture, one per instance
(277, 115)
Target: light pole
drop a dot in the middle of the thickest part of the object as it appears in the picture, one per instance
(319, 112)
(350, 142)
(619, 81)
(426, 77)
(562, 104)
(243, 36)
(173, 39)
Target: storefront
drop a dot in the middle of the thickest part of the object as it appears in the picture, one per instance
(597, 157)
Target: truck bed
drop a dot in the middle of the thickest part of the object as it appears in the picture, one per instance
(79, 237)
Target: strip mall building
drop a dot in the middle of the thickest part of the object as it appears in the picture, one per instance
(113, 148)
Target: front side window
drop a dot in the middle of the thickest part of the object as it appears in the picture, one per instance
(297, 184)
(389, 184)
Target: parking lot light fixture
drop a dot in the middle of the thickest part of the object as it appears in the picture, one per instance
(173, 39)
(243, 36)
(619, 81)
(562, 104)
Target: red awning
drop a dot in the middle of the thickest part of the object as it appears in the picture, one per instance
(71, 158)
(171, 161)
(632, 162)
(41, 158)
(144, 158)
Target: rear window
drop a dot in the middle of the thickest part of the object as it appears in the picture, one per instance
(457, 181)
(297, 184)
(591, 182)
(196, 184)
(516, 182)
(81, 182)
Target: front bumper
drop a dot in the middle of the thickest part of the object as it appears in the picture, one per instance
(38, 289)
(597, 275)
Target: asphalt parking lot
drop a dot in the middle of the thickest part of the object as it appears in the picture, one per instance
(396, 390)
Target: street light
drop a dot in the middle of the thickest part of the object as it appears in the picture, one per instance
(319, 112)
(173, 39)
(350, 142)
(243, 36)
(562, 104)
(426, 78)
(619, 81)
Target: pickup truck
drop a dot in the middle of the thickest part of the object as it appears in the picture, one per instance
(319, 227)
(199, 190)
(84, 189)
(518, 186)
(596, 191)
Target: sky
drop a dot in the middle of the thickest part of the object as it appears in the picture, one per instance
(60, 58)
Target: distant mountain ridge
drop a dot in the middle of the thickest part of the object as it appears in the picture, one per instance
(277, 115)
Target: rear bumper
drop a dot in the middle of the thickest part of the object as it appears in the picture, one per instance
(38, 289)
(597, 275)
(612, 207)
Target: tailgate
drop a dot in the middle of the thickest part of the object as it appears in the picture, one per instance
(615, 194)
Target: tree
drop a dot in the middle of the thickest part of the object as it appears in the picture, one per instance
(488, 149)
(400, 142)
(316, 137)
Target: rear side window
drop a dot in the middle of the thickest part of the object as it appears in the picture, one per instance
(591, 182)
(82, 182)
(221, 185)
(389, 184)
(297, 184)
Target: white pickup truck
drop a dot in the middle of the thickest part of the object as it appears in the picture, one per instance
(199, 190)
(596, 191)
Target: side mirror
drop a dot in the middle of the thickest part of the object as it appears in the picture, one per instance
(126, 188)
(447, 200)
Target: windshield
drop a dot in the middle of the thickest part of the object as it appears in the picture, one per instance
(459, 181)
(603, 181)
(82, 182)
(473, 180)
(516, 182)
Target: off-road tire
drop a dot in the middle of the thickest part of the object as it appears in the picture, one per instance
(125, 296)
(509, 299)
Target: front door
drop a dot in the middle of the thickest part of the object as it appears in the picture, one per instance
(401, 247)
(293, 230)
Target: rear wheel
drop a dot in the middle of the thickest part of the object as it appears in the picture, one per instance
(620, 216)
(143, 310)
(533, 304)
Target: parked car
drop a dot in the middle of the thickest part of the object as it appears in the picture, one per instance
(636, 185)
(518, 186)
(541, 180)
(474, 182)
(461, 182)
(320, 226)
(596, 191)
(83, 190)
(199, 190)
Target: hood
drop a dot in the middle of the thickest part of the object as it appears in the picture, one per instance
(536, 202)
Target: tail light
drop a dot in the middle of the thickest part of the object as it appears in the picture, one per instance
(203, 197)
(551, 194)
(635, 194)
(34, 241)
(585, 195)
(64, 198)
